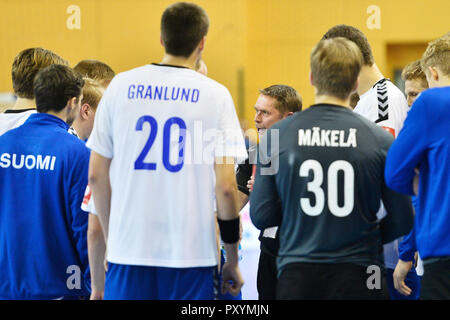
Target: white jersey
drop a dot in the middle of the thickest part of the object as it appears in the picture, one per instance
(385, 105)
(13, 119)
(162, 126)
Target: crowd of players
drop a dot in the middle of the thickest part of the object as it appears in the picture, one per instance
(329, 187)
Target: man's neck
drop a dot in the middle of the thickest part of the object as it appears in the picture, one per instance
(62, 114)
(23, 103)
(180, 61)
(368, 76)
(326, 99)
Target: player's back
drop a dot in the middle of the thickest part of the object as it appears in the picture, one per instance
(164, 122)
(11, 119)
(39, 165)
(331, 187)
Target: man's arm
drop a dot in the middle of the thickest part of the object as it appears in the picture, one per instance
(228, 215)
(101, 189)
(265, 203)
(96, 249)
(408, 150)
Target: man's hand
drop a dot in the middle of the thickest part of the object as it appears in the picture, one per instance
(250, 183)
(231, 273)
(400, 273)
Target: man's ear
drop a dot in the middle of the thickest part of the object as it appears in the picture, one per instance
(434, 73)
(85, 111)
(201, 45)
(287, 114)
(161, 40)
(72, 103)
(311, 80)
(355, 87)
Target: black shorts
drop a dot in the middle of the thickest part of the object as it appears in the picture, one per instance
(436, 280)
(320, 281)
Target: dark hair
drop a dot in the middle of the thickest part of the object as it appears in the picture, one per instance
(288, 99)
(183, 25)
(95, 70)
(335, 66)
(355, 35)
(26, 65)
(54, 86)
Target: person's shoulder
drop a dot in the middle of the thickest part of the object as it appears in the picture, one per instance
(440, 93)
(72, 143)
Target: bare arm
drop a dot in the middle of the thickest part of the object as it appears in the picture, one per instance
(96, 249)
(228, 209)
(101, 188)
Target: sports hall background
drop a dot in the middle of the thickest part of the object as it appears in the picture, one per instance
(251, 44)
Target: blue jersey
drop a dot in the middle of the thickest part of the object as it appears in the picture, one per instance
(424, 143)
(43, 245)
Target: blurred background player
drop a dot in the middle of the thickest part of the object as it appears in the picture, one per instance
(84, 122)
(156, 249)
(96, 70)
(424, 146)
(406, 278)
(82, 126)
(274, 103)
(25, 66)
(43, 230)
(415, 81)
(327, 189)
(382, 102)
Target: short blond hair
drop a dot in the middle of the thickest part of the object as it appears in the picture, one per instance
(92, 92)
(335, 66)
(437, 55)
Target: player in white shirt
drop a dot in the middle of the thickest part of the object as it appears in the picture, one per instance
(164, 142)
(383, 103)
(25, 66)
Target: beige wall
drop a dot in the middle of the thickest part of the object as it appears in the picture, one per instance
(260, 42)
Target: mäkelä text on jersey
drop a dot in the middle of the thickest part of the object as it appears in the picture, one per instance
(317, 137)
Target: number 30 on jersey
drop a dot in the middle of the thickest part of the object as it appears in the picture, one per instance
(315, 186)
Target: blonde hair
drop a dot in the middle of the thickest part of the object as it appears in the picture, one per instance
(335, 66)
(437, 55)
(92, 92)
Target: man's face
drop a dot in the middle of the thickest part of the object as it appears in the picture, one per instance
(266, 113)
(413, 88)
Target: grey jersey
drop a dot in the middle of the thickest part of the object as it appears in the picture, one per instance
(326, 188)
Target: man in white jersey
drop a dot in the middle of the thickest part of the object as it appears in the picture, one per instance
(25, 66)
(164, 142)
(381, 102)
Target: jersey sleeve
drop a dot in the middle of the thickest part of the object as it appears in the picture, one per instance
(408, 150)
(101, 138)
(229, 140)
(407, 247)
(399, 217)
(265, 203)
